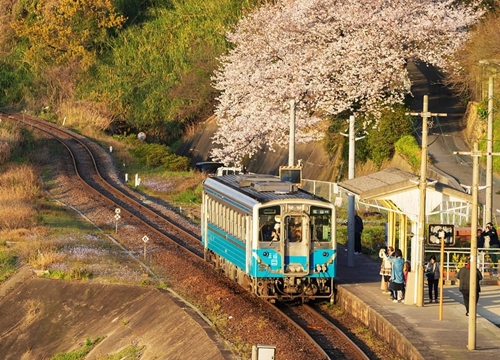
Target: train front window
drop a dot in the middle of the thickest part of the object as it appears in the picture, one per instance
(270, 224)
(321, 224)
(293, 228)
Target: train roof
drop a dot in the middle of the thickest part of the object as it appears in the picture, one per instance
(260, 187)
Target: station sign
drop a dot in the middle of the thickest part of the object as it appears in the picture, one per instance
(441, 233)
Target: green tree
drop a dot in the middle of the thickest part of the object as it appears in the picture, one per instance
(65, 31)
(157, 77)
(380, 141)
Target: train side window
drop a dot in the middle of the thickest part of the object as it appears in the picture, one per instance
(231, 223)
(207, 207)
(238, 225)
(244, 228)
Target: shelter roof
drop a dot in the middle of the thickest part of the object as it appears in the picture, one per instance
(401, 188)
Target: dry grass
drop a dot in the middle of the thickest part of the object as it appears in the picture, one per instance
(19, 189)
(9, 138)
(86, 116)
(33, 310)
(4, 152)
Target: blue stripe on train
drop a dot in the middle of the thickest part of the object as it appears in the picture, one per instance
(318, 258)
(269, 266)
(226, 246)
(234, 251)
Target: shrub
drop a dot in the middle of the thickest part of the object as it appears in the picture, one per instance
(160, 156)
(408, 148)
(7, 264)
(392, 126)
(176, 163)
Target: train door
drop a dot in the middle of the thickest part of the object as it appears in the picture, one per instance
(297, 245)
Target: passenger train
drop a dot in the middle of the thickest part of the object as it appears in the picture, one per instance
(275, 239)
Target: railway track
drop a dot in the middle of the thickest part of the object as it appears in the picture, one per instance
(329, 340)
(91, 167)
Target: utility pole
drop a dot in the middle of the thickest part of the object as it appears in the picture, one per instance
(422, 185)
(475, 153)
(291, 146)
(489, 157)
(350, 198)
(488, 213)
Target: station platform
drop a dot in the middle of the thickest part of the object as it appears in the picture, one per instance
(416, 332)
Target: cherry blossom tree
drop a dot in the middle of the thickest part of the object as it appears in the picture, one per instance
(330, 57)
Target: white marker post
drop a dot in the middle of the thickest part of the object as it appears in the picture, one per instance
(145, 239)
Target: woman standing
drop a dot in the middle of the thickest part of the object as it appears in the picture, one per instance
(386, 267)
(432, 274)
(397, 275)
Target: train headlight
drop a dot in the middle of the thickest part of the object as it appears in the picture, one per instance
(265, 253)
(318, 267)
(324, 268)
(325, 253)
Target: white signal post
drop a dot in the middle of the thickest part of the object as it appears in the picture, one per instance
(145, 239)
(117, 217)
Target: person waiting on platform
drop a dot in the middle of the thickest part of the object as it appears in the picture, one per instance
(406, 271)
(480, 239)
(464, 277)
(397, 275)
(491, 232)
(358, 229)
(385, 267)
(432, 274)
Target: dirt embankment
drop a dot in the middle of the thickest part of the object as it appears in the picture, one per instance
(38, 318)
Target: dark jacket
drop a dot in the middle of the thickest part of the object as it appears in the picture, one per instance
(480, 241)
(358, 224)
(464, 277)
(492, 233)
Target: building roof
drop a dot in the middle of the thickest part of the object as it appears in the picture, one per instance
(401, 189)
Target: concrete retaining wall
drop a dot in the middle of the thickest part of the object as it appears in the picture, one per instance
(385, 324)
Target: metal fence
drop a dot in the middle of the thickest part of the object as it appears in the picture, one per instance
(457, 257)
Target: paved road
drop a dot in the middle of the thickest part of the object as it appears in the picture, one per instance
(445, 134)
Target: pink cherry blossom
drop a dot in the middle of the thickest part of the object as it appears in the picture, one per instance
(330, 56)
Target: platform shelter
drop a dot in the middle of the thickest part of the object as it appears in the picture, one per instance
(396, 191)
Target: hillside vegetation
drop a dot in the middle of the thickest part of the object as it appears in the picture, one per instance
(124, 66)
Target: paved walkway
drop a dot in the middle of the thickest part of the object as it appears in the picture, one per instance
(434, 339)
